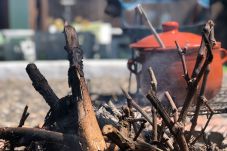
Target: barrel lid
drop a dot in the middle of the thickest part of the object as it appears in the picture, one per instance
(169, 35)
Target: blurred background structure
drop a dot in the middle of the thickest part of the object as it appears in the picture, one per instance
(31, 29)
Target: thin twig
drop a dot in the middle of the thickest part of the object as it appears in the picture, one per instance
(153, 79)
(199, 101)
(142, 127)
(173, 106)
(154, 85)
(203, 130)
(129, 102)
(24, 116)
(137, 107)
(199, 59)
(175, 129)
(155, 124)
(182, 56)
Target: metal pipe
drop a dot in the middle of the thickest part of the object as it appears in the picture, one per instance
(142, 12)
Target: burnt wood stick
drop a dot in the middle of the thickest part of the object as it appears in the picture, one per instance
(41, 85)
(75, 56)
(204, 100)
(199, 60)
(161, 110)
(182, 56)
(154, 85)
(125, 126)
(155, 124)
(209, 30)
(173, 105)
(88, 127)
(142, 127)
(209, 58)
(24, 136)
(175, 129)
(204, 128)
(137, 107)
(146, 116)
(24, 116)
(193, 86)
(129, 102)
(125, 143)
(199, 101)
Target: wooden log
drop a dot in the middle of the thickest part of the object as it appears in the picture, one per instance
(24, 136)
(88, 126)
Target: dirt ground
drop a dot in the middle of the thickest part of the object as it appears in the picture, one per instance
(15, 94)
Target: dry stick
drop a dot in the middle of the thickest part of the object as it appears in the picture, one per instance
(210, 32)
(153, 79)
(199, 60)
(154, 84)
(161, 110)
(199, 101)
(125, 143)
(175, 129)
(137, 107)
(182, 53)
(125, 126)
(41, 85)
(155, 124)
(208, 121)
(145, 115)
(173, 106)
(142, 127)
(129, 102)
(208, 60)
(192, 87)
(24, 116)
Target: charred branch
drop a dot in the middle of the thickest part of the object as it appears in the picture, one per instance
(24, 136)
(137, 107)
(125, 143)
(24, 116)
(41, 85)
(195, 80)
